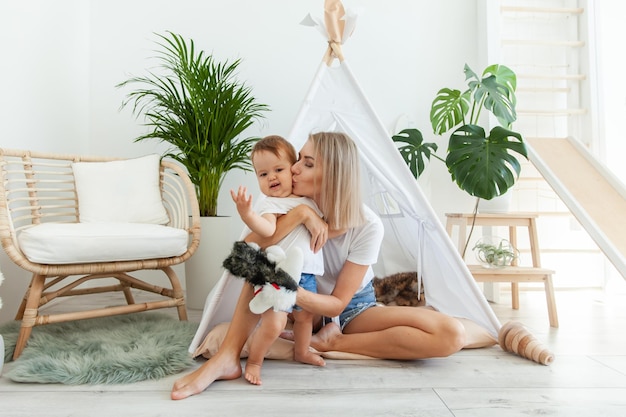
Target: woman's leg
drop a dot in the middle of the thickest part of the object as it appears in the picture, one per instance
(272, 323)
(393, 332)
(225, 364)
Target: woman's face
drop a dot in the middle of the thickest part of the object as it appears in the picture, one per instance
(307, 173)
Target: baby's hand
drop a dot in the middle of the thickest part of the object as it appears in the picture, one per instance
(242, 201)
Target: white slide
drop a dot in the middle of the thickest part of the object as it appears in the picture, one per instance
(592, 193)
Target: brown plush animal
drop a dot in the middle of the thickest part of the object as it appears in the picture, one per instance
(398, 289)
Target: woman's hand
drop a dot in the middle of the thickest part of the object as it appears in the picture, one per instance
(318, 229)
(348, 282)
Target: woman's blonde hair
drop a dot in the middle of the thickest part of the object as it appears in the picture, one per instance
(340, 198)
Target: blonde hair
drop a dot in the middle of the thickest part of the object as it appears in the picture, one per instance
(340, 198)
(277, 145)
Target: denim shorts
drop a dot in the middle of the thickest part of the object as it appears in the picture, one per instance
(361, 301)
(309, 283)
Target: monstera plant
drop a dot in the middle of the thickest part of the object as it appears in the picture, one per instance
(484, 165)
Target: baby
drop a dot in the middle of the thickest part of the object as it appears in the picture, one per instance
(272, 158)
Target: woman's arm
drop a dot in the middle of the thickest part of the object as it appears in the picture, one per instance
(332, 305)
(285, 224)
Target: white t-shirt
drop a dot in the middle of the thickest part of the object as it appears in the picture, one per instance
(359, 245)
(300, 236)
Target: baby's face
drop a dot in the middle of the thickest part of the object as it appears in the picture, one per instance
(273, 174)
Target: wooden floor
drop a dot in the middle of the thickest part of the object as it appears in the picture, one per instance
(587, 378)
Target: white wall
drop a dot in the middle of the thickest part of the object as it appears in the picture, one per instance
(611, 32)
(44, 74)
(62, 60)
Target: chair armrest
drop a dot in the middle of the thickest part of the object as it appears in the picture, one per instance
(181, 202)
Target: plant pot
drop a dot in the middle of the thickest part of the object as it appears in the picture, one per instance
(495, 252)
(204, 268)
(501, 204)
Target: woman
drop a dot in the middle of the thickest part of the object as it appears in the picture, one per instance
(327, 172)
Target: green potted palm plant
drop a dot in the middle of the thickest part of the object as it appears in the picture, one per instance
(483, 165)
(196, 104)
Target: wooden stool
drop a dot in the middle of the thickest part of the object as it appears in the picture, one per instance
(513, 274)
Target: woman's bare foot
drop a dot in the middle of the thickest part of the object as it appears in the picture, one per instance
(253, 373)
(323, 341)
(287, 335)
(216, 368)
(309, 357)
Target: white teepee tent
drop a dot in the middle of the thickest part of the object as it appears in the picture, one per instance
(414, 237)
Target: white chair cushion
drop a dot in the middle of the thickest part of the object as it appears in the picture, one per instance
(72, 243)
(125, 191)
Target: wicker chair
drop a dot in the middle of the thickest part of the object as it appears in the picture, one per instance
(39, 189)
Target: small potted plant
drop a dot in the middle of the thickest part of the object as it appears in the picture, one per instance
(495, 252)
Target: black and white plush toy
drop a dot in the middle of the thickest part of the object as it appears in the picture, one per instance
(273, 273)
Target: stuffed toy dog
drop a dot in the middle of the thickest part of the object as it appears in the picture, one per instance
(273, 273)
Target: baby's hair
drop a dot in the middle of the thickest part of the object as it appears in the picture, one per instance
(277, 145)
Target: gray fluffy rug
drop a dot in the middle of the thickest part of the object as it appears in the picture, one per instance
(108, 350)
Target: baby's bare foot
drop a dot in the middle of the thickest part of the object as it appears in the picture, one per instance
(253, 373)
(309, 357)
